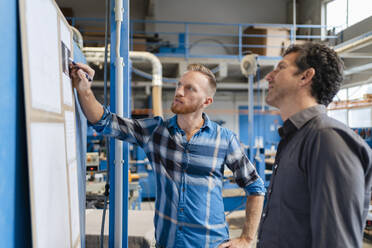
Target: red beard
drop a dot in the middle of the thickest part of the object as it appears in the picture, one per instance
(177, 109)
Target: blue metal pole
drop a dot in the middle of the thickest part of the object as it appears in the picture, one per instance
(187, 41)
(250, 116)
(127, 113)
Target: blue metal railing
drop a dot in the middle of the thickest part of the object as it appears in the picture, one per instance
(180, 39)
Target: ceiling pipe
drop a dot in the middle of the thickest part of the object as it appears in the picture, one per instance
(157, 73)
(157, 82)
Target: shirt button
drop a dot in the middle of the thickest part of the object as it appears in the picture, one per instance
(263, 215)
(181, 209)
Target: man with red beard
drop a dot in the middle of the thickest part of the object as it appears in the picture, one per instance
(320, 188)
(188, 153)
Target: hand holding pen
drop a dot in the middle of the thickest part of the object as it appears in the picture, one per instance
(81, 75)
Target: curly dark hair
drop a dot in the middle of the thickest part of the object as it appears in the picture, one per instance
(327, 65)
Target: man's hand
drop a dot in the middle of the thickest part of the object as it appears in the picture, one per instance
(237, 243)
(92, 109)
(78, 73)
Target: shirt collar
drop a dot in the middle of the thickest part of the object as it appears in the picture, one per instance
(301, 118)
(298, 120)
(173, 122)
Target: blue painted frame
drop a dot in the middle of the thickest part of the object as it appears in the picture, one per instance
(124, 51)
(15, 218)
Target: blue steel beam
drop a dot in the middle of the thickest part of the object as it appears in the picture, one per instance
(124, 52)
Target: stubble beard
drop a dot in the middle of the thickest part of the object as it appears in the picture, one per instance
(184, 109)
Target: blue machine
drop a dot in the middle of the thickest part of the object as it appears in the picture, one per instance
(172, 49)
(143, 168)
(267, 137)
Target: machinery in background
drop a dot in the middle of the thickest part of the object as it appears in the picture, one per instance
(140, 164)
(96, 164)
(266, 126)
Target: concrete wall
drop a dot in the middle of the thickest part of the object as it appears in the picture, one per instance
(233, 11)
(310, 11)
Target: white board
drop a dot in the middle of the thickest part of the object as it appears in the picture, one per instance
(43, 55)
(50, 120)
(49, 182)
(74, 203)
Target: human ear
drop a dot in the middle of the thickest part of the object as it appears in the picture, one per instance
(208, 101)
(307, 76)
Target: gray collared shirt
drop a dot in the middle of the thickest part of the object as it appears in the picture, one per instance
(320, 187)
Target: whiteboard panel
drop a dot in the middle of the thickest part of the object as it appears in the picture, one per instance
(74, 202)
(49, 185)
(43, 55)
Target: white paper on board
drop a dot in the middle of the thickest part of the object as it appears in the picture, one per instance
(67, 89)
(49, 185)
(70, 135)
(43, 54)
(65, 34)
(74, 201)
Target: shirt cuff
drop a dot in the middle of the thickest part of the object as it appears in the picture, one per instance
(101, 124)
(256, 188)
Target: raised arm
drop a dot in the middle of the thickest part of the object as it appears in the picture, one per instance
(92, 109)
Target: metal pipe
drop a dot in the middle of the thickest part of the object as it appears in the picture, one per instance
(358, 69)
(119, 64)
(250, 116)
(79, 37)
(157, 75)
(294, 20)
(355, 43)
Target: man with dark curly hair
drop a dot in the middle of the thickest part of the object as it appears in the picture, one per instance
(321, 183)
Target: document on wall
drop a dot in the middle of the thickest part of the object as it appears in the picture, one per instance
(66, 54)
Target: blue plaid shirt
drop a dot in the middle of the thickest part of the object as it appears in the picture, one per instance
(189, 210)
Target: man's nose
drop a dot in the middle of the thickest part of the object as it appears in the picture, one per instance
(269, 76)
(179, 91)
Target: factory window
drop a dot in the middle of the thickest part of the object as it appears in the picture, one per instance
(340, 14)
(339, 114)
(359, 10)
(336, 14)
(341, 95)
(359, 118)
(359, 92)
